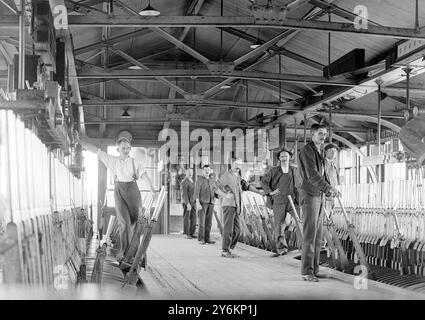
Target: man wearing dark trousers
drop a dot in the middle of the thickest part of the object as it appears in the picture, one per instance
(230, 190)
(189, 205)
(204, 196)
(278, 183)
(313, 189)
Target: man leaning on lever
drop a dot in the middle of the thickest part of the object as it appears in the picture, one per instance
(313, 189)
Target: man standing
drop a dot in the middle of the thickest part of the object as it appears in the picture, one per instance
(126, 171)
(188, 200)
(331, 151)
(313, 188)
(411, 136)
(278, 183)
(230, 190)
(204, 196)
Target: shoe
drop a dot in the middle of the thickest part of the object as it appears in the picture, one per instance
(310, 278)
(321, 276)
(227, 254)
(201, 242)
(234, 255)
(189, 237)
(284, 251)
(210, 241)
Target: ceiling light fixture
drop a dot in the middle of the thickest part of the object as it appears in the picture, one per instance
(135, 68)
(125, 114)
(255, 45)
(225, 86)
(149, 11)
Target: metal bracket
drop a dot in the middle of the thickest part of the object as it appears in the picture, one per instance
(221, 68)
(175, 116)
(194, 98)
(269, 13)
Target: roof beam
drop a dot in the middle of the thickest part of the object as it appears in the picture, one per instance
(146, 69)
(113, 40)
(184, 102)
(14, 10)
(418, 93)
(337, 129)
(392, 75)
(221, 21)
(343, 13)
(205, 122)
(314, 14)
(182, 46)
(134, 74)
(275, 48)
(368, 118)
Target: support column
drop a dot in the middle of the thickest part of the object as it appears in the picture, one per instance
(102, 182)
(21, 75)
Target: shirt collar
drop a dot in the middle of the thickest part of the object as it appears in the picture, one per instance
(125, 159)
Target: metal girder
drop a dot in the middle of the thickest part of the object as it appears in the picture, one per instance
(214, 123)
(221, 21)
(275, 48)
(343, 13)
(113, 40)
(266, 45)
(134, 74)
(390, 115)
(207, 103)
(137, 92)
(14, 10)
(389, 77)
(7, 54)
(146, 69)
(123, 65)
(316, 13)
(368, 118)
(194, 9)
(131, 89)
(275, 90)
(182, 46)
(418, 93)
(336, 126)
(85, 9)
(337, 129)
(177, 42)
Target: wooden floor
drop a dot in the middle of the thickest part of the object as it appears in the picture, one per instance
(185, 269)
(179, 268)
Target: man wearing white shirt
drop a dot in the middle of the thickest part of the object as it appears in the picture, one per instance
(126, 171)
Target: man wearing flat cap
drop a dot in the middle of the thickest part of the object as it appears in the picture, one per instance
(278, 183)
(331, 151)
